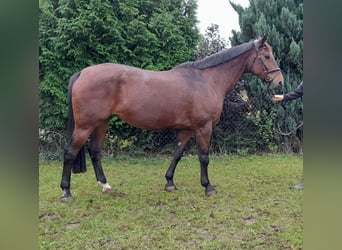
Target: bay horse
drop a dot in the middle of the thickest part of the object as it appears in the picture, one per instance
(188, 98)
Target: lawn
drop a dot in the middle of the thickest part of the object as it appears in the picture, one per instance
(253, 209)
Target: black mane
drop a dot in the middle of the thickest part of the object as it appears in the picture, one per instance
(219, 57)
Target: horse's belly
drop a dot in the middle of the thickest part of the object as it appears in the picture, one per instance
(155, 121)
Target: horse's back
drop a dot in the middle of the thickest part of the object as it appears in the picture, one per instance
(145, 99)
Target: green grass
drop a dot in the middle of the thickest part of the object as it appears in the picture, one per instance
(254, 208)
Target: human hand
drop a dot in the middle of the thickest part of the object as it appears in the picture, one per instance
(277, 98)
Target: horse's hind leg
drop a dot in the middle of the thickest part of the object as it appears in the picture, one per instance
(94, 149)
(183, 139)
(77, 141)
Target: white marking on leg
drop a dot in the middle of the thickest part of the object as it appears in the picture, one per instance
(106, 188)
(179, 144)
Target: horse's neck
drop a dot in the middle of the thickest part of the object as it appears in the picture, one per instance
(227, 74)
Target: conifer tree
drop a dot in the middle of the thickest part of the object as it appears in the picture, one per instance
(74, 34)
(283, 22)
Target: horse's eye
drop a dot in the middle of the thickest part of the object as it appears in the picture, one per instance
(267, 56)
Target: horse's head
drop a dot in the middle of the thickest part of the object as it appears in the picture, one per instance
(263, 65)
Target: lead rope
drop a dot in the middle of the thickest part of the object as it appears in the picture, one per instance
(280, 132)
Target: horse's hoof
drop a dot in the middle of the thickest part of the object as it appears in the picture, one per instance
(107, 190)
(66, 198)
(209, 191)
(170, 188)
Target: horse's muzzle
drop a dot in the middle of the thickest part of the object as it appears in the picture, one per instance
(276, 81)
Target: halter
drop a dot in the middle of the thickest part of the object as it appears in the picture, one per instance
(266, 71)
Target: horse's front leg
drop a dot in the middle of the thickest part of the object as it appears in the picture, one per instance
(203, 140)
(183, 139)
(204, 161)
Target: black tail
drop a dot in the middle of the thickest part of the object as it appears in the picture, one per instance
(80, 162)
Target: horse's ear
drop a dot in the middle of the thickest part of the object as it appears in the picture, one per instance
(263, 39)
(260, 43)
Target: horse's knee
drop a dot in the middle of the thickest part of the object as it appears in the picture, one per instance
(204, 159)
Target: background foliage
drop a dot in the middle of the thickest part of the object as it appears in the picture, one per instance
(75, 34)
(158, 35)
(283, 22)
